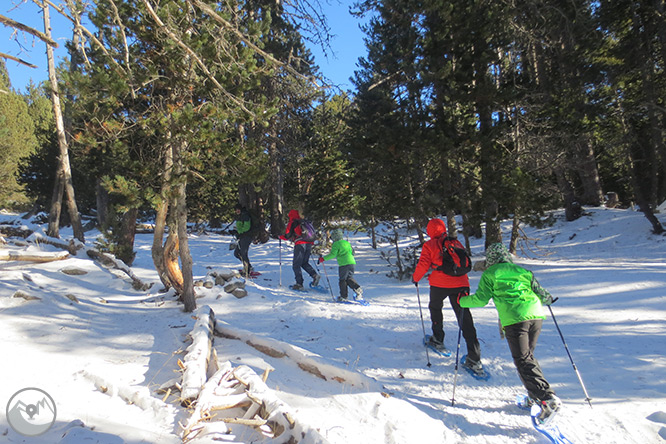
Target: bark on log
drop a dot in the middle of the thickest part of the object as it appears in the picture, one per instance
(39, 257)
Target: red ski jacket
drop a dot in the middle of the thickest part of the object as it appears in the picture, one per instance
(431, 259)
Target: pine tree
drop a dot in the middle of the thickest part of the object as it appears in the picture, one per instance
(17, 140)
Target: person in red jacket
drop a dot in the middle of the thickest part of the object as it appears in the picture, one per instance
(302, 251)
(443, 286)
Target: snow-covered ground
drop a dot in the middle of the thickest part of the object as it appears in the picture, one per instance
(607, 269)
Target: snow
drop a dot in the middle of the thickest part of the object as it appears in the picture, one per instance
(103, 358)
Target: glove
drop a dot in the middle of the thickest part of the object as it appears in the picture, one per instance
(415, 282)
(233, 232)
(460, 295)
(321, 259)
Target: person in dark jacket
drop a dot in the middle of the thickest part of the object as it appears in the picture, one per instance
(443, 286)
(302, 251)
(342, 251)
(519, 300)
(244, 234)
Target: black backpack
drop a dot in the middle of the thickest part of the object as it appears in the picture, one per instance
(455, 260)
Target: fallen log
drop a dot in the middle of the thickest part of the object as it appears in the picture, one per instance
(36, 256)
(25, 233)
(197, 359)
(111, 262)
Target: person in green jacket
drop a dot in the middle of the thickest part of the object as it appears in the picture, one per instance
(519, 300)
(342, 251)
(244, 233)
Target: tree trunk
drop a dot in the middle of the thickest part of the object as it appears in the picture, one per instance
(157, 249)
(171, 264)
(56, 204)
(586, 166)
(276, 189)
(451, 224)
(64, 166)
(187, 296)
(489, 179)
(572, 210)
(127, 235)
(515, 234)
(102, 202)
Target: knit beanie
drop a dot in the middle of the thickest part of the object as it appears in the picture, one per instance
(497, 253)
(336, 234)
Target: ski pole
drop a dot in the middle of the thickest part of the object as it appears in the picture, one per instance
(455, 374)
(580, 379)
(330, 289)
(280, 255)
(418, 296)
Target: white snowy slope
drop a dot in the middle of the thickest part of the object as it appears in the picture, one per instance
(101, 349)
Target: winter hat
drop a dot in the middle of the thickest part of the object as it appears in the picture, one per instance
(436, 228)
(293, 214)
(497, 253)
(336, 234)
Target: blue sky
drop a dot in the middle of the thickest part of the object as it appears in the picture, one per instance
(347, 44)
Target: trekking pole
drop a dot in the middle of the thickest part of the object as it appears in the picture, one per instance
(330, 289)
(280, 255)
(455, 374)
(580, 379)
(418, 296)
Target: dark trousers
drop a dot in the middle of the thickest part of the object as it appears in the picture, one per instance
(346, 279)
(241, 252)
(522, 338)
(463, 315)
(302, 260)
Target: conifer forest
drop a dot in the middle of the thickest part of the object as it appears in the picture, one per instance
(172, 111)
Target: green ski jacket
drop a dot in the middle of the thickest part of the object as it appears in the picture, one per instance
(343, 252)
(514, 290)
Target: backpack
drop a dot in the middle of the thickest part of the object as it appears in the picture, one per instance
(308, 232)
(455, 260)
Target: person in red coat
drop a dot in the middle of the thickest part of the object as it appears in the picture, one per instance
(302, 252)
(444, 286)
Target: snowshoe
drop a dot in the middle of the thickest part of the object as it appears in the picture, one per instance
(436, 346)
(319, 288)
(358, 297)
(475, 369)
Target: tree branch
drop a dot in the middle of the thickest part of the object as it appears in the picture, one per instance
(78, 26)
(17, 25)
(16, 59)
(208, 10)
(199, 62)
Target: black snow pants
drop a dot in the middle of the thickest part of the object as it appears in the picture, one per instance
(437, 296)
(522, 338)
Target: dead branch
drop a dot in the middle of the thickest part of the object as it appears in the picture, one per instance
(110, 262)
(16, 59)
(90, 35)
(20, 26)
